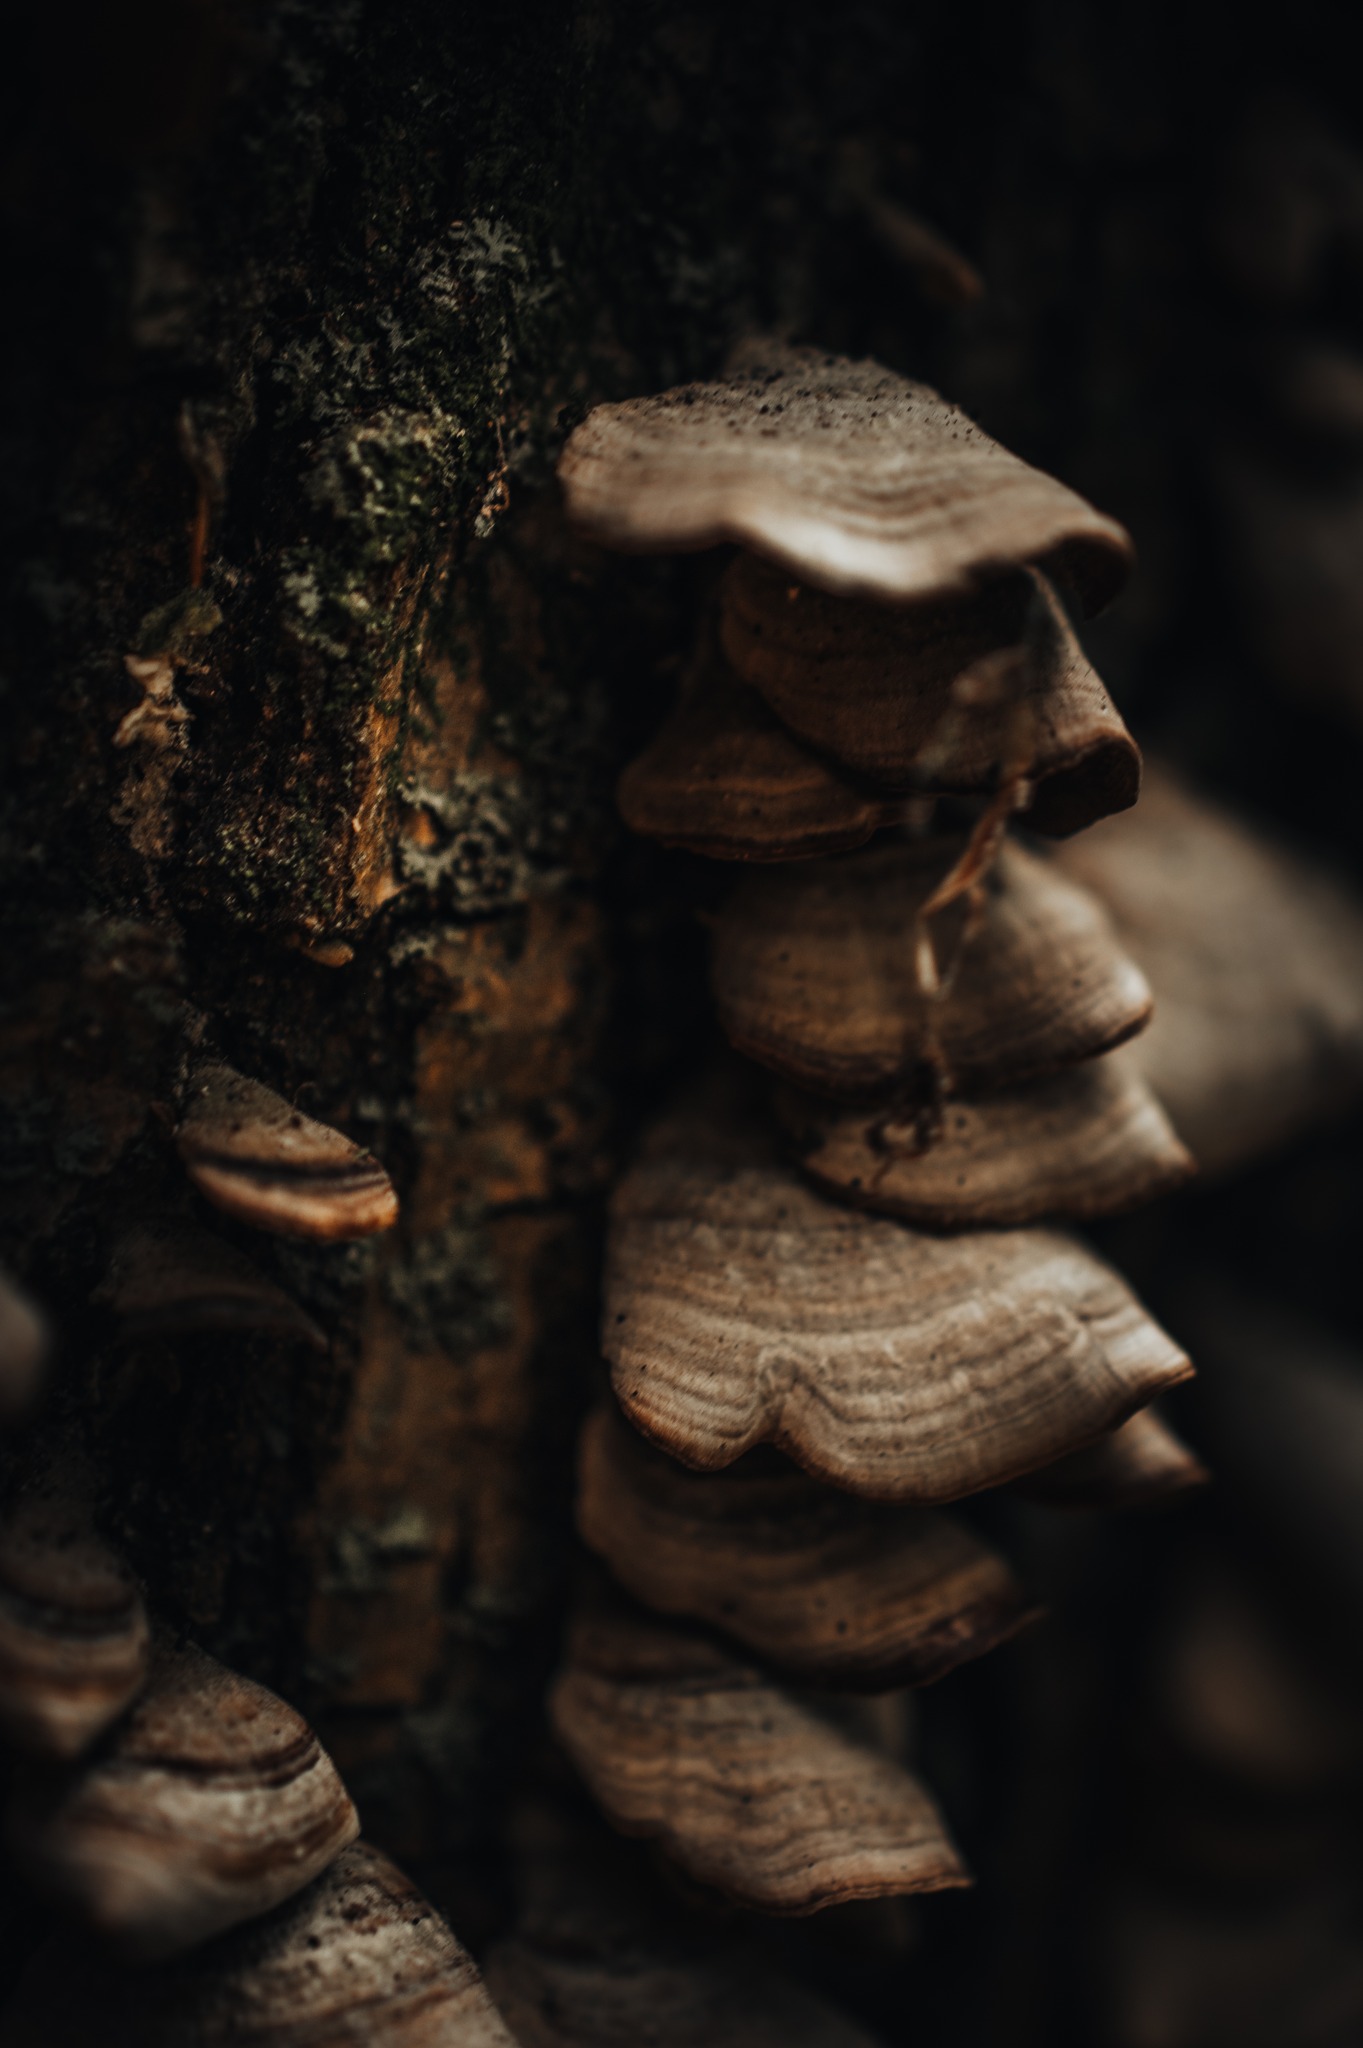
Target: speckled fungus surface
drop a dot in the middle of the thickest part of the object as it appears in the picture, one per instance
(359, 1956)
(255, 1157)
(213, 1802)
(743, 1308)
(1088, 1142)
(817, 971)
(749, 1793)
(832, 1589)
(849, 476)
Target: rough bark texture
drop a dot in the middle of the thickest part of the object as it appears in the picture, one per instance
(313, 712)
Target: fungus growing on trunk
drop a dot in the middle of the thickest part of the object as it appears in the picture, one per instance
(74, 1638)
(1142, 1464)
(938, 698)
(831, 1589)
(848, 476)
(816, 969)
(258, 1159)
(942, 1010)
(359, 1956)
(749, 1793)
(169, 1278)
(722, 777)
(23, 1350)
(1088, 1142)
(212, 1802)
(742, 1308)
(1256, 961)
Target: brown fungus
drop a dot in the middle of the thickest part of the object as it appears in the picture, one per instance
(24, 1345)
(742, 1308)
(1256, 961)
(167, 1277)
(834, 1590)
(948, 698)
(818, 972)
(1089, 1142)
(1142, 1464)
(74, 1638)
(359, 1956)
(212, 1802)
(847, 475)
(603, 1956)
(752, 1795)
(258, 1159)
(721, 777)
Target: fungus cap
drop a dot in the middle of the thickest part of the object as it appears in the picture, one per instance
(1088, 1142)
(1142, 1464)
(743, 1308)
(834, 1590)
(847, 475)
(213, 1802)
(1256, 961)
(947, 697)
(74, 1638)
(722, 777)
(257, 1158)
(814, 970)
(24, 1346)
(167, 1277)
(359, 1956)
(749, 1793)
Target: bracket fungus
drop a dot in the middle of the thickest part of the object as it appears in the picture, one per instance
(883, 655)
(1089, 1142)
(946, 698)
(722, 777)
(212, 1802)
(742, 1308)
(1256, 960)
(257, 1158)
(834, 1590)
(23, 1350)
(752, 1795)
(75, 1642)
(817, 972)
(167, 1277)
(1142, 1464)
(359, 1956)
(849, 476)
(601, 1957)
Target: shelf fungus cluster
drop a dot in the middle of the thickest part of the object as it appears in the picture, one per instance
(193, 1840)
(842, 1291)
